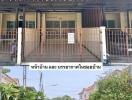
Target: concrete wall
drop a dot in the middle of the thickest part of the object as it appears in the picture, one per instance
(120, 18)
(43, 27)
(31, 41)
(78, 25)
(91, 40)
(130, 18)
(30, 16)
(60, 15)
(123, 20)
(32, 38)
(1, 21)
(8, 17)
(31, 35)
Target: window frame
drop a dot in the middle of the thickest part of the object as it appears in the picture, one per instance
(30, 24)
(108, 22)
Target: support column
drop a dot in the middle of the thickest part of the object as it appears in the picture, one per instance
(43, 30)
(128, 32)
(78, 25)
(36, 19)
(41, 33)
(19, 46)
(16, 18)
(123, 20)
(104, 53)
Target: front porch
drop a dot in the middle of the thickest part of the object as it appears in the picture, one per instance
(54, 47)
(61, 53)
(51, 47)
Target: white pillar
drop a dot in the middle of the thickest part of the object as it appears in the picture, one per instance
(103, 37)
(19, 46)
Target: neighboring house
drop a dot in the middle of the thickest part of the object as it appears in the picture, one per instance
(7, 79)
(85, 93)
(47, 23)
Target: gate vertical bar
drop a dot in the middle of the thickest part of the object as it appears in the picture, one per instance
(61, 40)
(16, 23)
(126, 41)
(41, 35)
(19, 46)
(128, 31)
(16, 35)
(81, 43)
(104, 54)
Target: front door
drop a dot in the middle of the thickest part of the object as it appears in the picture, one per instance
(57, 30)
(56, 40)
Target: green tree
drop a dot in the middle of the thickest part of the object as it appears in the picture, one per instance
(113, 87)
(8, 91)
(5, 71)
(65, 97)
(12, 92)
(41, 95)
(57, 98)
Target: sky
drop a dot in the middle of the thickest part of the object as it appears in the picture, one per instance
(60, 83)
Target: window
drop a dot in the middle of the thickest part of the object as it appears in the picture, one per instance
(68, 24)
(52, 24)
(10, 34)
(110, 23)
(30, 24)
(56, 24)
(11, 24)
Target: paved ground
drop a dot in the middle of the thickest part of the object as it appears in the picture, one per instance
(5, 58)
(5, 55)
(61, 53)
(121, 59)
